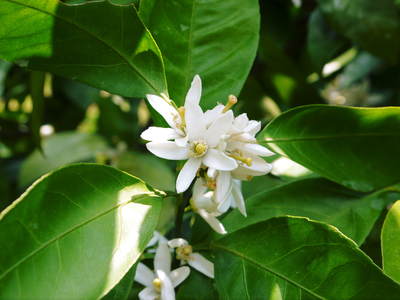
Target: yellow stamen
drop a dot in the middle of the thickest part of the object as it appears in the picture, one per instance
(245, 160)
(157, 284)
(183, 252)
(211, 184)
(181, 111)
(199, 148)
(232, 100)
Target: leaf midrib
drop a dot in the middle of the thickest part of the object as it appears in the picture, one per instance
(268, 140)
(123, 57)
(72, 229)
(246, 258)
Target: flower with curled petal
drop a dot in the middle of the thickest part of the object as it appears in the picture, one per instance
(191, 137)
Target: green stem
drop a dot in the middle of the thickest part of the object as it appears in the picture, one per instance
(180, 209)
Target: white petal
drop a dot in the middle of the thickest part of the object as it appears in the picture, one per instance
(219, 128)
(178, 275)
(175, 243)
(156, 238)
(199, 187)
(201, 264)
(195, 123)
(159, 134)
(144, 275)
(215, 224)
(241, 121)
(238, 197)
(253, 127)
(182, 141)
(168, 150)
(211, 115)
(211, 172)
(165, 109)
(167, 289)
(148, 293)
(218, 160)
(187, 174)
(194, 94)
(259, 165)
(224, 186)
(204, 201)
(162, 260)
(256, 149)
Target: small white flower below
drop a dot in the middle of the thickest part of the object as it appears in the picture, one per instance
(160, 284)
(185, 254)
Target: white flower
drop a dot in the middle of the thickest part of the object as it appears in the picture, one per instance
(203, 202)
(160, 284)
(202, 143)
(184, 253)
(228, 193)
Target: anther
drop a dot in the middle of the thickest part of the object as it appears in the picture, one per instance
(232, 100)
(181, 112)
(157, 284)
(246, 160)
(199, 148)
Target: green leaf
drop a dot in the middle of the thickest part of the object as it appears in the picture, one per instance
(101, 44)
(58, 150)
(149, 168)
(374, 25)
(314, 258)
(390, 240)
(75, 233)
(123, 289)
(322, 42)
(352, 213)
(352, 146)
(197, 287)
(215, 39)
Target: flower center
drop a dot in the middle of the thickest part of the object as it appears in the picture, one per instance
(183, 252)
(199, 148)
(157, 284)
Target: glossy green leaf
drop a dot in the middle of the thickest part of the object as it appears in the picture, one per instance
(352, 213)
(75, 233)
(314, 258)
(374, 25)
(215, 39)
(390, 240)
(58, 150)
(149, 168)
(197, 287)
(355, 147)
(123, 289)
(101, 44)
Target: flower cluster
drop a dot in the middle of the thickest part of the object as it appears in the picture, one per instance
(219, 148)
(160, 284)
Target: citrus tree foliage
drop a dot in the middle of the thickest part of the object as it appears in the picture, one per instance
(199, 149)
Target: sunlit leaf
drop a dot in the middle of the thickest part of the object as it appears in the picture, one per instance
(215, 39)
(390, 242)
(75, 233)
(286, 254)
(101, 44)
(355, 147)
